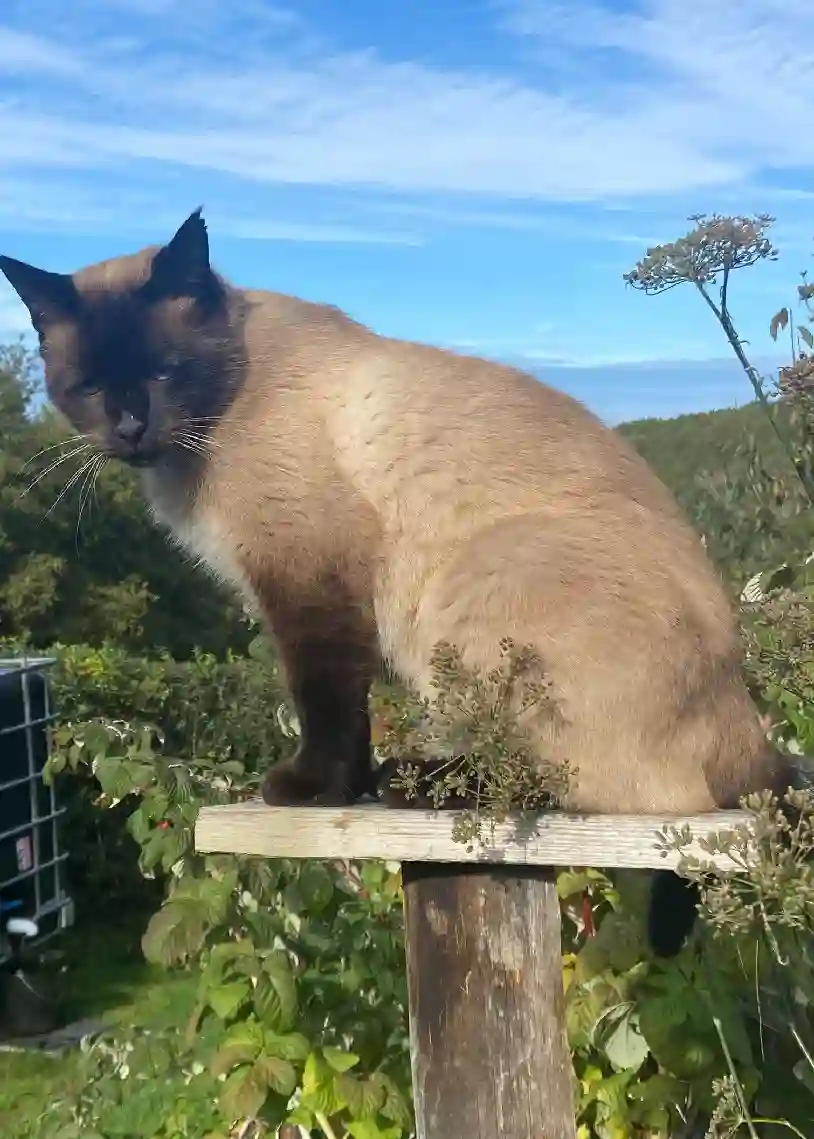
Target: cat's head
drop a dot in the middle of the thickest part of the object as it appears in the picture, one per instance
(134, 348)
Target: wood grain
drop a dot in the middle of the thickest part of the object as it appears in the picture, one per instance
(368, 831)
(487, 1018)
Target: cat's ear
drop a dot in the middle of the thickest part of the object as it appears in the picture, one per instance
(181, 267)
(49, 297)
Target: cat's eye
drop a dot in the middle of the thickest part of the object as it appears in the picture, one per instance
(84, 387)
(169, 372)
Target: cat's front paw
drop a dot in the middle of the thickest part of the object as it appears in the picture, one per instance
(289, 785)
(300, 782)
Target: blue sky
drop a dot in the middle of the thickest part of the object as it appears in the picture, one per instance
(475, 173)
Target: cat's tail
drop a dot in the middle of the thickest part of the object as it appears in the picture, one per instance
(671, 913)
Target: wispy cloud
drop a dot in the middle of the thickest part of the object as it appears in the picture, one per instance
(22, 51)
(732, 79)
(699, 96)
(141, 213)
(261, 229)
(552, 144)
(302, 111)
(554, 344)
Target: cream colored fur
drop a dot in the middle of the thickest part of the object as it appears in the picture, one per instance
(474, 502)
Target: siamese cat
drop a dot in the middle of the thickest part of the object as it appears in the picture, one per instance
(372, 497)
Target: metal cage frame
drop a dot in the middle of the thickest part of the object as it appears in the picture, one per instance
(25, 668)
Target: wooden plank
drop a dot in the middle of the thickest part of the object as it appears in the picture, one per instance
(487, 1010)
(369, 831)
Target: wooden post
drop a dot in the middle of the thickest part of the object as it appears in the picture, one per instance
(487, 1011)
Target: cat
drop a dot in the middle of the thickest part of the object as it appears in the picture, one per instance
(371, 497)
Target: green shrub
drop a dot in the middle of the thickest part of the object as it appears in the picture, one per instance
(301, 975)
(301, 1006)
(200, 708)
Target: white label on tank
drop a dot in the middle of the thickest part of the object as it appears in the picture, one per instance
(25, 859)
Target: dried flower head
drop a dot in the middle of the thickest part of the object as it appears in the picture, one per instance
(715, 245)
(475, 726)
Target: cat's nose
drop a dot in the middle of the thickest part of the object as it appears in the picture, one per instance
(129, 429)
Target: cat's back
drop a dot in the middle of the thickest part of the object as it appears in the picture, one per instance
(390, 398)
(412, 418)
(443, 444)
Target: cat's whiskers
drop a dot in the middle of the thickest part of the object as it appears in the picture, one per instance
(100, 468)
(72, 481)
(52, 447)
(207, 422)
(75, 453)
(189, 443)
(195, 442)
(93, 468)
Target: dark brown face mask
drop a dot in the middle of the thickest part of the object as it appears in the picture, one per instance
(130, 360)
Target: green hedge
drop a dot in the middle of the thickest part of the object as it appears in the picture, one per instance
(201, 708)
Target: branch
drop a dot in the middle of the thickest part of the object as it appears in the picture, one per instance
(724, 319)
(724, 287)
(325, 1126)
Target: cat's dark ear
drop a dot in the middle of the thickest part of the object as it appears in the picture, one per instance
(49, 297)
(181, 267)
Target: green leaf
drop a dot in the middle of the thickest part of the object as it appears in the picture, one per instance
(619, 942)
(113, 776)
(301, 1116)
(275, 998)
(316, 887)
(176, 932)
(217, 894)
(227, 999)
(625, 1046)
(611, 1093)
(368, 1129)
(226, 952)
(660, 1015)
(277, 1074)
(232, 1053)
(57, 762)
(396, 1106)
(340, 1061)
(363, 1098)
(571, 882)
(318, 1091)
(372, 875)
(293, 899)
(243, 1094)
(246, 1034)
(314, 1074)
(291, 1046)
(658, 1090)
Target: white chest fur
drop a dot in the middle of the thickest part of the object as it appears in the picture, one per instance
(202, 531)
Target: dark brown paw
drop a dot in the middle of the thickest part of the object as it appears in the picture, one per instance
(297, 782)
(289, 786)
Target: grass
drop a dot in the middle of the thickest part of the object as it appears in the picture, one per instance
(99, 972)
